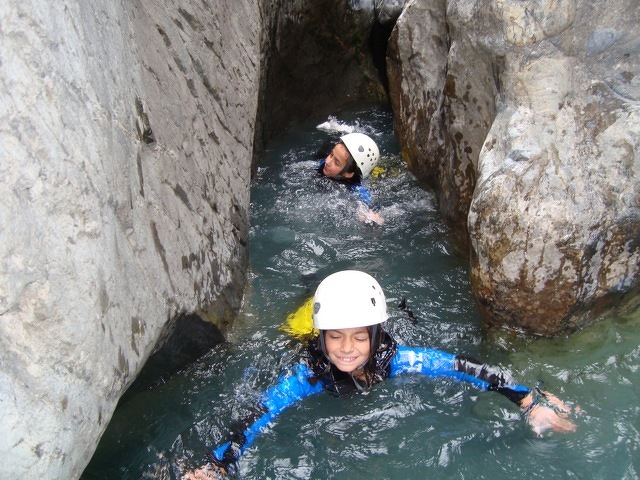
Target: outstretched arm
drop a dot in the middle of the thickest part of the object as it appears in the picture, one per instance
(288, 390)
(438, 363)
(551, 414)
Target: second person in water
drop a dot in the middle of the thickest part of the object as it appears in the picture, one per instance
(351, 161)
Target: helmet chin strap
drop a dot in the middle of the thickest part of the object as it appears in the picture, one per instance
(323, 347)
(373, 333)
(357, 383)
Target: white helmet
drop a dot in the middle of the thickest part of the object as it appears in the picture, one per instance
(348, 299)
(363, 150)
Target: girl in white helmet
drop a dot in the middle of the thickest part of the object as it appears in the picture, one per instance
(351, 161)
(352, 352)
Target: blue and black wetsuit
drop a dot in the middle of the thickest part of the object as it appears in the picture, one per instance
(312, 376)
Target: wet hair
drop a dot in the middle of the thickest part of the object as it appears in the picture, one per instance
(371, 368)
(350, 167)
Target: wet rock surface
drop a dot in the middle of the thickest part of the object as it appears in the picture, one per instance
(126, 133)
(524, 118)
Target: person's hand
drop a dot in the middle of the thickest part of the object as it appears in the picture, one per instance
(206, 472)
(371, 216)
(543, 418)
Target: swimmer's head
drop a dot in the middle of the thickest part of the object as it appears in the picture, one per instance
(348, 308)
(353, 158)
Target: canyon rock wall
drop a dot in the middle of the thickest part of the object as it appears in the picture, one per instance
(525, 116)
(126, 133)
(320, 59)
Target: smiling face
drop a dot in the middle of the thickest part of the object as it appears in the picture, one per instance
(347, 348)
(336, 161)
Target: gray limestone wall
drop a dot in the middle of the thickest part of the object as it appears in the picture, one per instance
(126, 133)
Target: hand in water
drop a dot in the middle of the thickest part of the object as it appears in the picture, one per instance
(206, 472)
(371, 216)
(542, 418)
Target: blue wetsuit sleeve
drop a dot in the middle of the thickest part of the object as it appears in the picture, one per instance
(289, 389)
(363, 195)
(436, 363)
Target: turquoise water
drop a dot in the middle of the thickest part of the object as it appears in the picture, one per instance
(302, 229)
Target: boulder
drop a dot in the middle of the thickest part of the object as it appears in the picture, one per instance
(524, 117)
